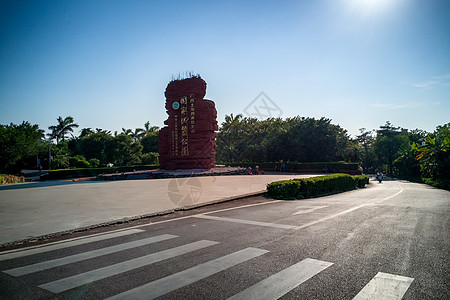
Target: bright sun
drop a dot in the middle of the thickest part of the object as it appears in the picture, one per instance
(374, 3)
(371, 7)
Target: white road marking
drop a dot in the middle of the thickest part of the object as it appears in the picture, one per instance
(332, 216)
(91, 276)
(282, 282)
(243, 206)
(265, 224)
(311, 208)
(175, 281)
(390, 197)
(65, 244)
(385, 287)
(85, 255)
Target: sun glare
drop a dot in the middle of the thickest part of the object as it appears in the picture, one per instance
(371, 7)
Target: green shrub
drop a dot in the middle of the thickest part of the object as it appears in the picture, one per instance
(7, 179)
(94, 162)
(361, 180)
(440, 183)
(78, 162)
(315, 186)
(60, 161)
(150, 158)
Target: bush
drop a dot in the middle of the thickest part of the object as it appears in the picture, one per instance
(79, 162)
(361, 180)
(440, 183)
(315, 186)
(150, 158)
(60, 161)
(94, 162)
(7, 179)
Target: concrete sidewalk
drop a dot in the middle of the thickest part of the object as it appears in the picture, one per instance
(40, 208)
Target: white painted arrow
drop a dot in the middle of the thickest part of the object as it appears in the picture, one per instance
(311, 208)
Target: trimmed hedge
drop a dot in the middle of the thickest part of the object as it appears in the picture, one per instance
(7, 179)
(90, 172)
(315, 186)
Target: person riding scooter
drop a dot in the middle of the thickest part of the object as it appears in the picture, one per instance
(379, 176)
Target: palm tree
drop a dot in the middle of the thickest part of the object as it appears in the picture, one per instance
(148, 129)
(86, 132)
(54, 134)
(63, 127)
(137, 134)
(126, 131)
(99, 130)
(230, 130)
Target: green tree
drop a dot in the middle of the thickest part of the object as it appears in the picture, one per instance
(388, 142)
(137, 134)
(126, 131)
(406, 163)
(122, 150)
(366, 141)
(19, 143)
(85, 132)
(230, 133)
(434, 156)
(311, 140)
(61, 156)
(295, 139)
(150, 142)
(149, 129)
(94, 145)
(63, 127)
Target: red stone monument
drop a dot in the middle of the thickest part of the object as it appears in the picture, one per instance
(188, 140)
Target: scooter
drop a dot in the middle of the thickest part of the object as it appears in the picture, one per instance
(379, 177)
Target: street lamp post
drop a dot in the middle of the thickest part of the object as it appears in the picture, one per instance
(49, 154)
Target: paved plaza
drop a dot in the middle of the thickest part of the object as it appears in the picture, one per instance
(40, 208)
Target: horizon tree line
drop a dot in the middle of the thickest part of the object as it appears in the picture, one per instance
(397, 151)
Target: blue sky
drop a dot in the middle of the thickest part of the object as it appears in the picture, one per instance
(107, 63)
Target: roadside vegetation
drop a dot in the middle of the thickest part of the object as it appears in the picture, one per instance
(24, 145)
(292, 143)
(315, 186)
(414, 155)
(7, 179)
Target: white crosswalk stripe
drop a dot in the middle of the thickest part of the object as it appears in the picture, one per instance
(65, 244)
(382, 287)
(385, 287)
(281, 283)
(85, 255)
(88, 277)
(170, 283)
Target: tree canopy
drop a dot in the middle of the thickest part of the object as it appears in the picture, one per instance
(413, 154)
(294, 139)
(18, 144)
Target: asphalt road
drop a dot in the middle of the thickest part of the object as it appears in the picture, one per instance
(387, 241)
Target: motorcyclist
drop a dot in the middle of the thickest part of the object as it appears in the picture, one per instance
(379, 176)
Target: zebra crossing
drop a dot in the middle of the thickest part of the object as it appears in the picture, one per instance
(382, 286)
